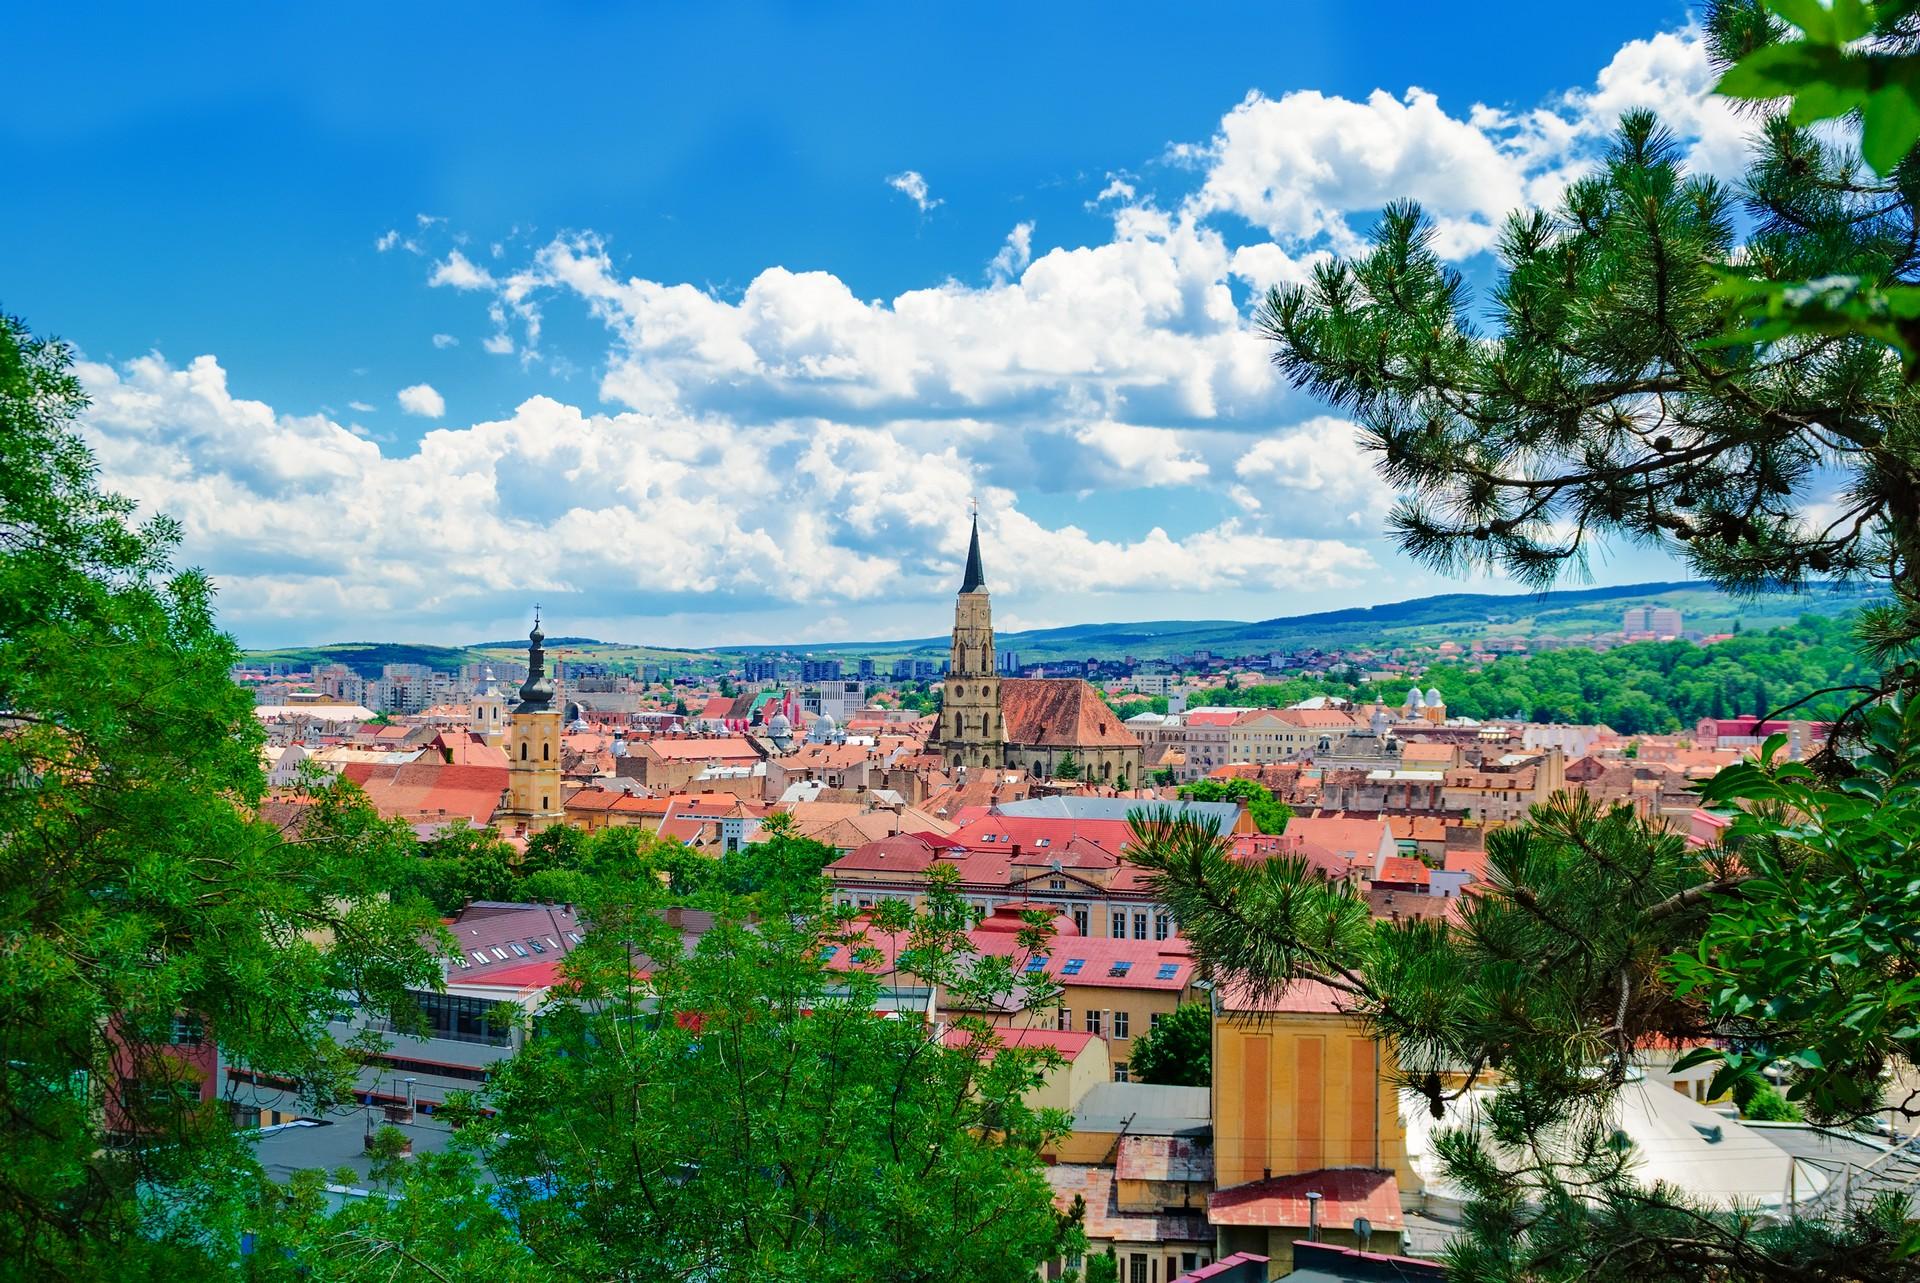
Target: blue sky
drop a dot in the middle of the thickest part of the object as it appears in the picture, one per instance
(745, 370)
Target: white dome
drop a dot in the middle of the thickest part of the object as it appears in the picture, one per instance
(779, 725)
(1414, 700)
(1433, 697)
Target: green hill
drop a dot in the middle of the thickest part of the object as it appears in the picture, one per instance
(1422, 621)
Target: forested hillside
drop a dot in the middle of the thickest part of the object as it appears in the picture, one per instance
(1646, 687)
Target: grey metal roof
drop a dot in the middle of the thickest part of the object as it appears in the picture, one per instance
(1144, 1109)
(1074, 807)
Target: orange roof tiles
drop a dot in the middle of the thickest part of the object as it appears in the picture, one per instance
(1059, 711)
(414, 788)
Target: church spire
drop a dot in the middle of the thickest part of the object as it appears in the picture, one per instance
(537, 692)
(976, 578)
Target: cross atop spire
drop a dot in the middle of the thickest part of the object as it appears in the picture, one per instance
(975, 579)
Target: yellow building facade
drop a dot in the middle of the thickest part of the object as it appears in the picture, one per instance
(1304, 1101)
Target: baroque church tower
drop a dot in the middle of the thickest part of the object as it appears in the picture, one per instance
(533, 746)
(971, 730)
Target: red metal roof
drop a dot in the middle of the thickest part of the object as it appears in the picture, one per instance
(1281, 1203)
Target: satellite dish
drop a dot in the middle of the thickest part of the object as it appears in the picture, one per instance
(1363, 1231)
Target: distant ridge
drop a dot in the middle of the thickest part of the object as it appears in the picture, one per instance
(521, 642)
(1561, 612)
(1448, 616)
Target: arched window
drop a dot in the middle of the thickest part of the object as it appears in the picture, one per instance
(546, 752)
(523, 750)
(543, 801)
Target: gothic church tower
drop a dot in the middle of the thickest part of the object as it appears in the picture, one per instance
(971, 732)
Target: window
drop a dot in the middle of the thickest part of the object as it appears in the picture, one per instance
(1120, 969)
(1162, 925)
(536, 946)
(499, 953)
(546, 752)
(827, 954)
(1140, 924)
(1056, 884)
(480, 957)
(523, 750)
(1167, 971)
(575, 937)
(543, 802)
(1064, 1022)
(1120, 1024)
(1080, 919)
(1120, 1076)
(1044, 842)
(186, 1031)
(465, 1019)
(1153, 1021)
(1119, 925)
(460, 960)
(519, 950)
(1036, 963)
(1093, 1022)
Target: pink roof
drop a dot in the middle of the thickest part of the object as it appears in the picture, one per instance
(1105, 963)
(1282, 1202)
(1036, 833)
(1065, 1041)
(1741, 727)
(528, 975)
(1222, 1266)
(1299, 998)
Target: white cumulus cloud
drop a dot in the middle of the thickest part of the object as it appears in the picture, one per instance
(422, 400)
(911, 184)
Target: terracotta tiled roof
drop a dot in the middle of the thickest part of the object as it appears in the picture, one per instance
(901, 853)
(1401, 869)
(429, 786)
(1059, 712)
(701, 748)
(1350, 838)
(1281, 1203)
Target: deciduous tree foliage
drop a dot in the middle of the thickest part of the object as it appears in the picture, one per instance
(1270, 815)
(138, 883)
(1178, 1050)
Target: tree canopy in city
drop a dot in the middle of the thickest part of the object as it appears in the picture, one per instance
(149, 904)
